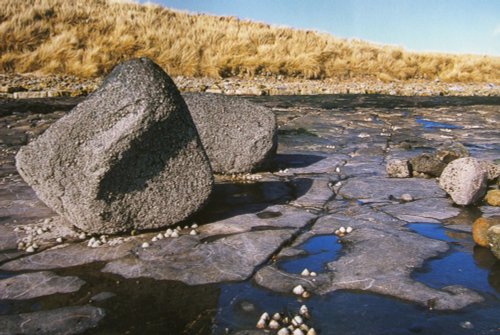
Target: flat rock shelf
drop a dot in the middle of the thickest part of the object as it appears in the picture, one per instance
(245, 252)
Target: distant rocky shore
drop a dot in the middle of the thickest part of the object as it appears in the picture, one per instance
(31, 86)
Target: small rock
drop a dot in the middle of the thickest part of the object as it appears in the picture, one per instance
(480, 230)
(427, 164)
(59, 240)
(82, 236)
(273, 324)
(145, 245)
(492, 170)
(342, 230)
(406, 197)
(464, 180)
(493, 198)
(305, 272)
(494, 240)
(194, 226)
(154, 239)
(30, 249)
(298, 290)
(397, 168)
(193, 232)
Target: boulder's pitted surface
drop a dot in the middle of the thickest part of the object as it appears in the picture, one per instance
(238, 136)
(464, 179)
(37, 284)
(127, 157)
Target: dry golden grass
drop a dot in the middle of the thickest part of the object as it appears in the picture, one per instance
(88, 37)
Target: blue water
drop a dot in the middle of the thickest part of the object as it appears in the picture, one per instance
(459, 266)
(320, 250)
(427, 124)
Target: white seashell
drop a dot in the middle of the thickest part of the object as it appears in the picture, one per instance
(273, 324)
(283, 331)
(337, 169)
(303, 310)
(306, 295)
(34, 245)
(342, 230)
(261, 324)
(96, 244)
(159, 236)
(175, 234)
(30, 249)
(337, 232)
(177, 229)
(194, 226)
(313, 274)
(169, 231)
(304, 327)
(305, 272)
(277, 316)
(193, 232)
(82, 236)
(154, 239)
(167, 234)
(311, 332)
(298, 332)
(348, 230)
(186, 227)
(39, 231)
(264, 316)
(17, 229)
(298, 290)
(20, 245)
(297, 321)
(145, 245)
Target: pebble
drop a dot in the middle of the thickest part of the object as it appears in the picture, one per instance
(159, 236)
(194, 226)
(145, 245)
(277, 316)
(342, 230)
(193, 232)
(313, 274)
(59, 240)
(186, 227)
(273, 324)
(169, 231)
(298, 290)
(406, 197)
(305, 272)
(30, 249)
(283, 331)
(154, 239)
(348, 230)
(175, 234)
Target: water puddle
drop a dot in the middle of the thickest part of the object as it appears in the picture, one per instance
(464, 264)
(427, 124)
(320, 250)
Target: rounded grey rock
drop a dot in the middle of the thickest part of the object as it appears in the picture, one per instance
(464, 179)
(127, 157)
(238, 136)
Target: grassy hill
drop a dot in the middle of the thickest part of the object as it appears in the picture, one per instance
(87, 38)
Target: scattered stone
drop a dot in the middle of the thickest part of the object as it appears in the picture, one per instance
(464, 180)
(128, 156)
(492, 198)
(480, 229)
(37, 284)
(397, 168)
(428, 164)
(494, 240)
(238, 136)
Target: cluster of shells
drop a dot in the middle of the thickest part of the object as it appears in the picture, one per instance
(342, 231)
(287, 324)
(245, 177)
(172, 233)
(28, 243)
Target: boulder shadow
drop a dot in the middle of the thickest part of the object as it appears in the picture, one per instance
(288, 161)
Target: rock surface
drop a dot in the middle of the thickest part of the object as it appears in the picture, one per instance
(493, 197)
(238, 136)
(494, 240)
(427, 164)
(37, 284)
(464, 180)
(480, 229)
(397, 168)
(64, 321)
(128, 157)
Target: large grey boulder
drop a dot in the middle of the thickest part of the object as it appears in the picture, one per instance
(465, 180)
(238, 136)
(127, 157)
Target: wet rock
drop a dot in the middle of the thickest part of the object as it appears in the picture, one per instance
(480, 229)
(398, 168)
(238, 135)
(492, 170)
(494, 240)
(493, 197)
(127, 157)
(37, 284)
(425, 210)
(316, 192)
(64, 321)
(193, 262)
(382, 188)
(427, 164)
(464, 180)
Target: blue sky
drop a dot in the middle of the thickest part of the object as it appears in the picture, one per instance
(458, 26)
